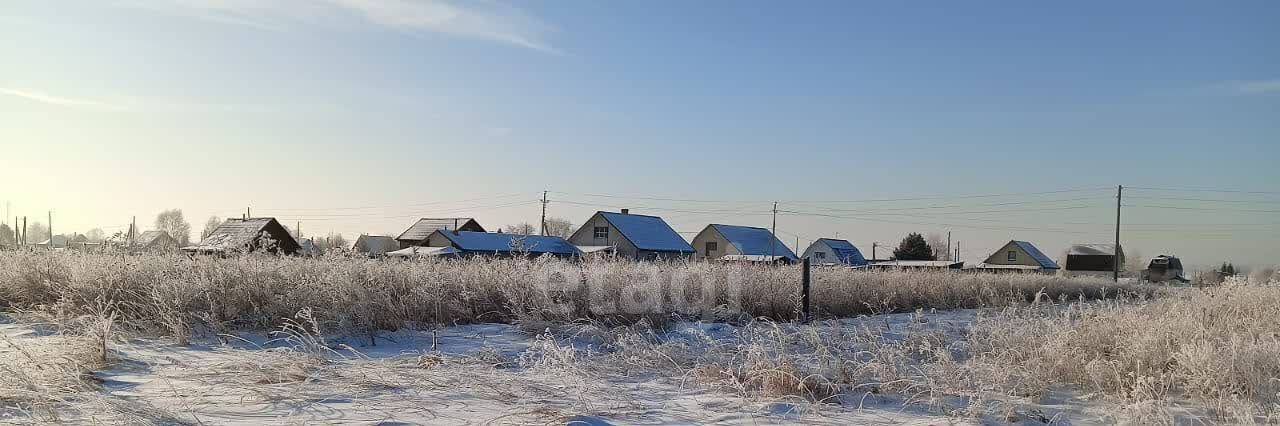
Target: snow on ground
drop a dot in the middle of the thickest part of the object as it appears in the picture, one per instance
(468, 374)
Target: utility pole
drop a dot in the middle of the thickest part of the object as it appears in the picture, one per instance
(297, 229)
(248, 213)
(544, 213)
(24, 230)
(949, 246)
(133, 229)
(957, 251)
(774, 232)
(1115, 256)
(51, 243)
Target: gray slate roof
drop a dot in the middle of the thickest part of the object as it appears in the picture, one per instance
(425, 226)
(237, 234)
(147, 238)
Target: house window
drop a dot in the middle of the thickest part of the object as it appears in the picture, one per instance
(601, 232)
(1013, 255)
(712, 246)
(821, 255)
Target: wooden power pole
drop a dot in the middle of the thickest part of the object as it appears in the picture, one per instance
(544, 213)
(1115, 256)
(774, 232)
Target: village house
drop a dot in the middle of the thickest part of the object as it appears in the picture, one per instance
(1093, 260)
(154, 241)
(830, 251)
(1018, 256)
(375, 245)
(741, 243)
(247, 235)
(631, 236)
(416, 234)
(501, 245)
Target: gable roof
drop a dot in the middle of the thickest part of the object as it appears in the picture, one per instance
(751, 240)
(376, 244)
(485, 242)
(1035, 253)
(147, 238)
(647, 232)
(845, 251)
(425, 226)
(237, 234)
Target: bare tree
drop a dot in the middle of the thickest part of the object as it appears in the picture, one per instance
(172, 222)
(559, 227)
(522, 228)
(333, 241)
(36, 232)
(6, 236)
(939, 246)
(209, 226)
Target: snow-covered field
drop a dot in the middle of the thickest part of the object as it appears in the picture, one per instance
(500, 374)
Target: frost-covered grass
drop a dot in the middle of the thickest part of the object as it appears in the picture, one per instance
(1137, 360)
(177, 296)
(170, 339)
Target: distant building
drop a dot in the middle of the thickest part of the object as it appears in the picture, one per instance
(830, 251)
(154, 241)
(247, 235)
(1018, 256)
(631, 236)
(416, 234)
(1093, 259)
(501, 245)
(308, 247)
(941, 265)
(375, 245)
(62, 241)
(740, 243)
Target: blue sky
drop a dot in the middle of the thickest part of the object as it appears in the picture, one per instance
(124, 108)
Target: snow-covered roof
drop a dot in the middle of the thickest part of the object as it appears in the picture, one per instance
(240, 234)
(146, 239)
(484, 242)
(421, 251)
(1092, 250)
(425, 226)
(375, 244)
(596, 249)
(752, 258)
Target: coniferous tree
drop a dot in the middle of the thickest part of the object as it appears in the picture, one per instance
(913, 247)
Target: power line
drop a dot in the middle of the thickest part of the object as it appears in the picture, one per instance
(720, 211)
(1230, 191)
(1009, 203)
(1217, 209)
(1209, 200)
(866, 200)
(1006, 228)
(388, 206)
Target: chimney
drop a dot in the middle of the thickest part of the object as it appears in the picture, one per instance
(626, 211)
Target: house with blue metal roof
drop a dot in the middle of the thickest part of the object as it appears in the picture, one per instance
(830, 251)
(1019, 256)
(502, 245)
(632, 236)
(746, 243)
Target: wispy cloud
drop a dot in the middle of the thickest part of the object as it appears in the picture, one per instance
(1257, 87)
(487, 20)
(45, 98)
